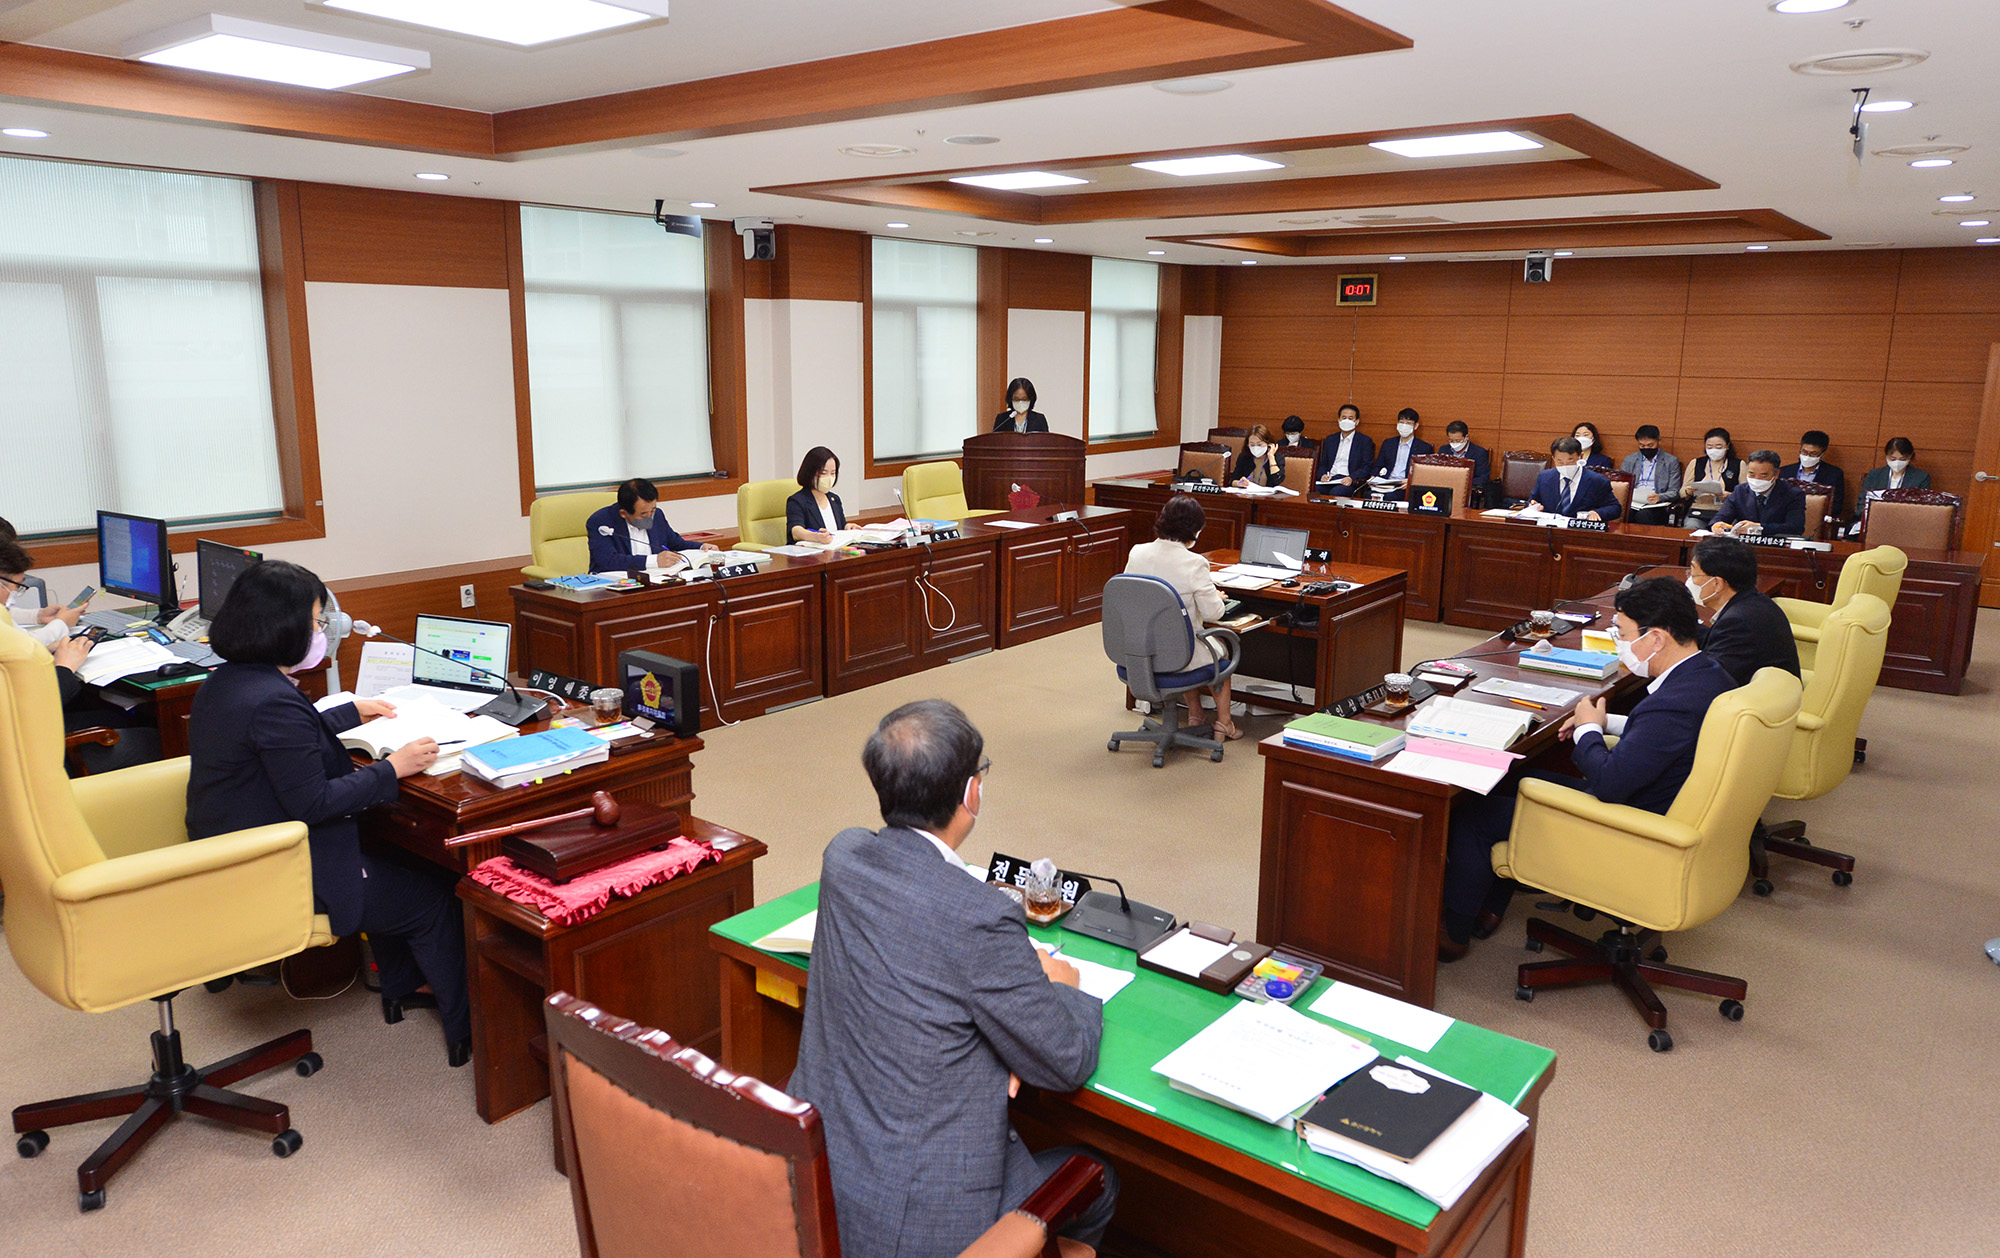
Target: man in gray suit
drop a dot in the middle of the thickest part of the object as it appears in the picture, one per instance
(928, 1008)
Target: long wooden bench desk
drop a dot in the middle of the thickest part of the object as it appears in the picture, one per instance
(1466, 569)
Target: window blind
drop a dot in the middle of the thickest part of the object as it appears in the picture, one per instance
(926, 347)
(1124, 344)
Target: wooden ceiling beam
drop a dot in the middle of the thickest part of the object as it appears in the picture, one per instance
(1309, 22)
(1700, 227)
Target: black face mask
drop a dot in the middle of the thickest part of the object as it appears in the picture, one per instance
(1648, 454)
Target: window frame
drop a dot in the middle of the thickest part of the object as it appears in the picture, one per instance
(1169, 347)
(281, 263)
(875, 468)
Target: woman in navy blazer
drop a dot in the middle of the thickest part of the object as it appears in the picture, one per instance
(1592, 441)
(261, 755)
(813, 513)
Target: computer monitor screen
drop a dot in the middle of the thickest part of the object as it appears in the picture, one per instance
(135, 559)
(216, 568)
(1282, 548)
(461, 654)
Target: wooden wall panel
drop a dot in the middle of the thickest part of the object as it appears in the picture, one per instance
(1307, 340)
(1199, 294)
(373, 236)
(1434, 288)
(1943, 347)
(819, 264)
(1932, 416)
(1047, 281)
(1949, 281)
(1314, 394)
(394, 600)
(1426, 342)
(1794, 283)
(1788, 347)
(1440, 396)
(1605, 345)
(1544, 407)
(1600, 286)
(1772, 413)
(1286, 292)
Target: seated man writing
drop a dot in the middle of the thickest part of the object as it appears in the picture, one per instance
(1655, 625)
(1572, 489)
(929, 1008)
(632, 534)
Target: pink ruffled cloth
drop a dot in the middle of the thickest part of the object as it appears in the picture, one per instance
(567, 903)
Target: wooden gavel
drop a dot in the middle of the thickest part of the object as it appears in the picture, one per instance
(603, 812)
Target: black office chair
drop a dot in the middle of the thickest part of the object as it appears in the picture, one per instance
(1149, 637)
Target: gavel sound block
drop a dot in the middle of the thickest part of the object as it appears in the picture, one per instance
(568, 844)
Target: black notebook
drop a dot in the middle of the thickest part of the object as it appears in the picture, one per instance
(1396, 1120)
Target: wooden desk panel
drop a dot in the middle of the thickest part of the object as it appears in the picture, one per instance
(766, 648)
(963, 599)
(1930, 632)
(879, 615)
(1052, 576)
(1587, 563)
(1494, 574)
(1227, 514)
(1097, 555)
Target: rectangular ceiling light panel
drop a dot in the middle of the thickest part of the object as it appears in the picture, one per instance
(524, 23)
(1457, 145)
(1221, 164)
(274, 54)
(1018, 180)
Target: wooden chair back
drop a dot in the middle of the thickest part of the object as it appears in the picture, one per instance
(1819, 503)
(1519, 469)
(1446, 471)
(1233, 438)
(1621, 489)
(1205, 458)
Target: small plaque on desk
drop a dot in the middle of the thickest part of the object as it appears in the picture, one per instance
(1315, 554)
(566, 849)
(575, 689)
(1588, 526)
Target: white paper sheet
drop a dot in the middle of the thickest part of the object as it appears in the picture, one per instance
(1186, 953)
(1266, 1060)
(1008, 524)
(384, 666)
(1399, 1020)
(123, 657)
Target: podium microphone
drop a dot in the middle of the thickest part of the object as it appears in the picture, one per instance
(512, 708)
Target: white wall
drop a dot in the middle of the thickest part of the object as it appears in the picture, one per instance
(1046, 346)
(1201, 376)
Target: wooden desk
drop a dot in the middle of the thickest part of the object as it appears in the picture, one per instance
(1357, 639)
(1196, 1179)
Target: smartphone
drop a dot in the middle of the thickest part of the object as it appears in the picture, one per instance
(83, 596)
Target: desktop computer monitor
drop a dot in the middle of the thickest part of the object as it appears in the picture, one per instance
(216, 568)
(135, 559)
(1279, 548)
(461, 654)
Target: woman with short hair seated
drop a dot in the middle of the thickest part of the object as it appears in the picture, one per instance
(1171, 557)
(814, 513)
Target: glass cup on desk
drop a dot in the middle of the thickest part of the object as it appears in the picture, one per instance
(1544, 623)
(1044, 898)
(606, 703)
(1396, 690)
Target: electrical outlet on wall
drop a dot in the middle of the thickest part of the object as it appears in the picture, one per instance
(465, 598)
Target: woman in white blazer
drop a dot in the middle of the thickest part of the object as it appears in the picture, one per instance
(1172, 558)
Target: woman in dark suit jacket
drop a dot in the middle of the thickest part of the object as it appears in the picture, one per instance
(813, 513)
(1260, 463)
(1020, 415)
(1594, 453)
(262, 755)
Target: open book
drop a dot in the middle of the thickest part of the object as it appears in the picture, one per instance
(420, 718)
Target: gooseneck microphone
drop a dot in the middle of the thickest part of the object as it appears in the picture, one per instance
(512, 708)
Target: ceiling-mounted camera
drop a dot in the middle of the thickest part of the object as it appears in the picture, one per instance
(1539, 267)
(760, 238)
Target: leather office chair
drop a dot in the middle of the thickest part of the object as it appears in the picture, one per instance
(760, 513)
(555, 533)
(672, 1156)
(1621, 489)
(1208, 458)
(1913, 519)
(1519, 470)
(108, 904)
(1446, 471)
(1298, 464)
(1878, 571)
(1148, 635)
(1852, 644)
(1819, 505)
(936, 491)
(1654, 873)
(1233, 437)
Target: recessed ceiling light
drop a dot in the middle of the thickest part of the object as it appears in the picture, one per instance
(1952, 198)
(510, 21)
(1249, 262)
(1930, 163)
(1220, 164)
(701, 205)
(898, 226)
(1888, 106)
(24, 133)
(1756, 248)
(1194, 87)
(1976, 222)
(1044, 240)
(1808, 6)
(972, 139)
(1156, 253)
(1987, 240)
(274, 54)
(1457, 145)
(432, 176)
(1397, 257)
(1565, 253)
(877, 150)
(1018, 180)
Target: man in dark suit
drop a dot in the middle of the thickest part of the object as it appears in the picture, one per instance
(1390, 476)
(1748, 631)
(1345, 457)
(1812, 466)
(1762, 503)
(929, 1008)
(1459, 445)
(1569, 488)
(1656, 625)
(633, 535)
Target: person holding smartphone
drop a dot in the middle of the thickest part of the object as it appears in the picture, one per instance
(27, 597)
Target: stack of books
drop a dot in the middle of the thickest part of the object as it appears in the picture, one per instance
(1339, 736)
(1412, 1125)
(1469, 721)
(1594, 665)
(534, 756)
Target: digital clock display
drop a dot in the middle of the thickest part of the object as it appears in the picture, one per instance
(1357, 290)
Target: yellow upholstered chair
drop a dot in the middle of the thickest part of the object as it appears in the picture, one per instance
(936, 491)
(555, 533)
(1651, 872)
(109, 904)
(760, 513)
(1852, 644)
(1878, 571)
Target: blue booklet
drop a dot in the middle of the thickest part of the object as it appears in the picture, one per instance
(531, 751)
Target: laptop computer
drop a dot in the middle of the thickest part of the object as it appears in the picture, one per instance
(1274, 548)
(459, 664)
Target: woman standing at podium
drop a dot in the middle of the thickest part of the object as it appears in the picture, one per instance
(814, 513)
(1020, 415)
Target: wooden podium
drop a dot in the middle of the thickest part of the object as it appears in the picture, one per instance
(1049, 463)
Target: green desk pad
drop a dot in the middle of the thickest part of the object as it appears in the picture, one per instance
(1155, 1015)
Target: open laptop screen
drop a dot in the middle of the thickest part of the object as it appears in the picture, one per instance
(1262, 544)
(474, 651)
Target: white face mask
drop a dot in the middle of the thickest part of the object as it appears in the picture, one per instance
(1405, 430)
(1257, 452)
(1584, 439)
(1759, 486)
(1639, 667)
(1460, 445)
(1718, 453)
(1694, 589)
(1897, 465)
(1020, 406)
(1349, 425)
(1291, 438)
(1808, 460)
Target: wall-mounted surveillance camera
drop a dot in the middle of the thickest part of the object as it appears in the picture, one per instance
(760, 238)
(1538, 268)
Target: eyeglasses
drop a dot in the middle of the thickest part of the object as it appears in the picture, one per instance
(985, 767)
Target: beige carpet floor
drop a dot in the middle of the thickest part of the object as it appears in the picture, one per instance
(1852, 1112)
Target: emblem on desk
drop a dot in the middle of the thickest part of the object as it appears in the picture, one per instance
(1432, 499)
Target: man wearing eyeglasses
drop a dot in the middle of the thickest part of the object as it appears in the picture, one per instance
(929, 1008)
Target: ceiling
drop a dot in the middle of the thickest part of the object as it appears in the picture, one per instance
(1702, 84)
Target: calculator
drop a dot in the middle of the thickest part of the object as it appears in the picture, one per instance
(1297, 971)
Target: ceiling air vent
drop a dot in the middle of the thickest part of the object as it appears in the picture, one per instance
(1861, 61)
(877, 150)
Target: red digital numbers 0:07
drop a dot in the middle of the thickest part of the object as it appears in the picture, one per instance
(1358, 290)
